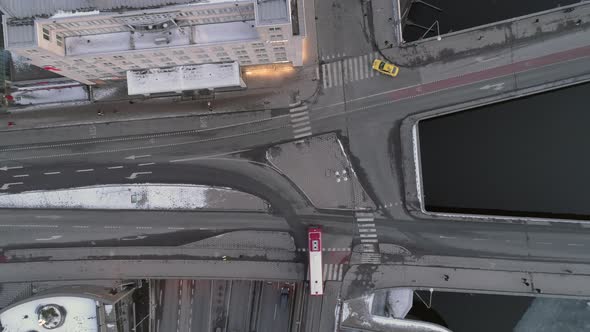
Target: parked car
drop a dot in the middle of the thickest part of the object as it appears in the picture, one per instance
(285, 290)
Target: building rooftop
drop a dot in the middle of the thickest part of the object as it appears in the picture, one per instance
(45, 8)
(272, 12)
(66, 313)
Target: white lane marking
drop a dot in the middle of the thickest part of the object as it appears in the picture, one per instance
(7, 185)
(80, 226)
(133, 157)
(52, 173)
(134, 175)
(7, 168)
(304, 119)
(112, 227)
(143, 227)
(298, 130)
(52, 217)
(85, 170)
(340, 268)
(54, 237)
(302, 135)
(366, 225)
(115, 167)
(368, 235)
(369, 240)
(298, 114)
(544, 243)
(447, 237)
(207, 156)
(367, 230)
(297, 109)
(365, 219)
(20, 176)
(175, 227)
(495, 87)
(31, 226)
(575, 245)
(146, 164)
(61, 155)
(305, 123)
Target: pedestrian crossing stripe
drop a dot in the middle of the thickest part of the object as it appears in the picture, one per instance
(300, 122)
(348, 70)
(333, 272)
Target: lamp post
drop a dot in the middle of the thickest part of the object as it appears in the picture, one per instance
(438, 37)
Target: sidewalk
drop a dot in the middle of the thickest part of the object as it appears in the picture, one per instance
(263, 93)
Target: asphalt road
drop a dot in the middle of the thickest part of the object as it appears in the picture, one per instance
(207, 305)
(366, 109)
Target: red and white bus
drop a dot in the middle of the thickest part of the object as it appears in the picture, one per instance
(316, 282)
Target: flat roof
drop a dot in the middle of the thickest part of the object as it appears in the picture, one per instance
(182, 78)
(80, 315)
(270, 12)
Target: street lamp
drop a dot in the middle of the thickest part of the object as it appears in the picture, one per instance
(438, 37)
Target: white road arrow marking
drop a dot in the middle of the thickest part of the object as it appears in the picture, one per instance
(139, 237)
(52, 217)
(496, 87)
(6, 185)
(54, 237)
(6, 168)
(134, 175)
(137, 157)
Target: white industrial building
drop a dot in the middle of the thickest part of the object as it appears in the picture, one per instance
(95, 40)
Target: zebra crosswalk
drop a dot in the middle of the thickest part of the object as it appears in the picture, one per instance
(334, 272)
(368, 236)
(343, 71)
(300, 122)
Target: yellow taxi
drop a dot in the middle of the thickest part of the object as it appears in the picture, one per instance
(385, 67)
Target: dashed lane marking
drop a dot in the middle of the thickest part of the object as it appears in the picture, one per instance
(146, 164)
(8, 168)
(51, 173)
(30, 226)
(20, 176)
(85, 170)
(138, 148)
(325, 249)
(115, 167)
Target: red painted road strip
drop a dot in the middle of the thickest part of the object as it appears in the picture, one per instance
(487, 74)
